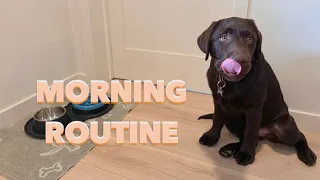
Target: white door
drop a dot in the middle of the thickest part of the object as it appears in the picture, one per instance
(157, 39)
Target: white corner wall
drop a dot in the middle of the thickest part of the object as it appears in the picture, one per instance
(36, 43)
(48, 40)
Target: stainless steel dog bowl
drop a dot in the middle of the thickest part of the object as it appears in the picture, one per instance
(49, 114)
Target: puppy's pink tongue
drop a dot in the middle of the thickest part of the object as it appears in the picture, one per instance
(231, 66)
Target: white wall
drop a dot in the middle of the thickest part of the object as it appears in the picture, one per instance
(36, 43)
(292, 46)
(48, 40)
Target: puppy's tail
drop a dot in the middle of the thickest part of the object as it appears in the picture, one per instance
(206, 116)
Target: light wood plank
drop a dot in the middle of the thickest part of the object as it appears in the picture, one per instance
(146, 162)
(86, 172)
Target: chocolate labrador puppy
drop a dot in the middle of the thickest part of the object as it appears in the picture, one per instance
(246, 93)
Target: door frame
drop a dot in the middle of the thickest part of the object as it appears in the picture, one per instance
(88, 51)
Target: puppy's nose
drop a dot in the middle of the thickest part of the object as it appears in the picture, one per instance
(242, 59)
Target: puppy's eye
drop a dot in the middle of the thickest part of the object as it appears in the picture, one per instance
(223, 37)
(250, 38)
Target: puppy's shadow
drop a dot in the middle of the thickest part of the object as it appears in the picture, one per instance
(225, 168)
(276, 147)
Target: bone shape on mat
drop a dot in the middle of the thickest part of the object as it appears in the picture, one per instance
(124, 105)
(59, 148)
(43, 172)
(106, 116)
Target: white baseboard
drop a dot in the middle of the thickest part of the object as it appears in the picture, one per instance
(308, 122)
(12, 114)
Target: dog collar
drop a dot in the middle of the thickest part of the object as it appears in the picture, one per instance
(221, 84)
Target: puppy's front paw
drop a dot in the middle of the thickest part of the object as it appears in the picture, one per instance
(229, 149)
(244, 158)
(208, 139)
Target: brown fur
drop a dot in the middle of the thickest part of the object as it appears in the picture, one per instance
(251, 101)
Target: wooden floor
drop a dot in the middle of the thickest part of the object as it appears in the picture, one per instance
(188, 159)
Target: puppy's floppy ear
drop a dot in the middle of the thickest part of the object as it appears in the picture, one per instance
(204, 40)
(258, 51)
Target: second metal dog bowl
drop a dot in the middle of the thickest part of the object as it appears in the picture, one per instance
(49, 114)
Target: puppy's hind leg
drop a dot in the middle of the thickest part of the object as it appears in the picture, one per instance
(287, 132)
(305, 154)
